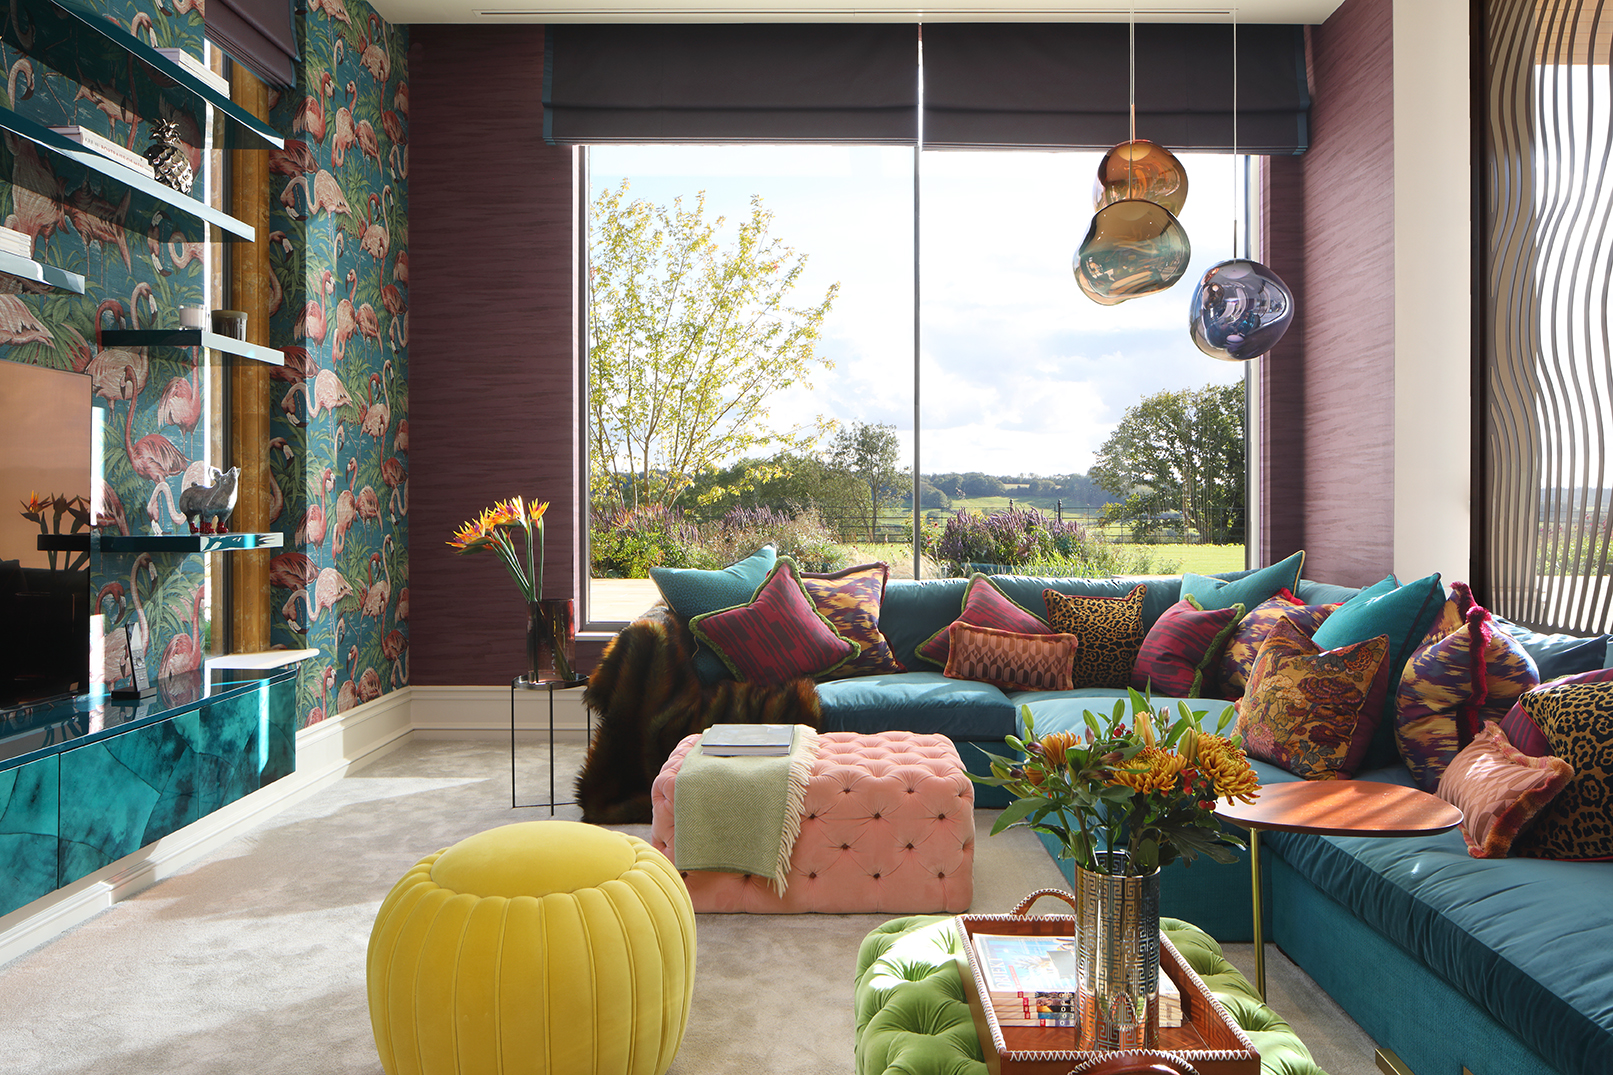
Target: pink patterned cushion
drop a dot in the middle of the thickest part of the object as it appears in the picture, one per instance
(778, 637)
(1011, 660)
(1499, 790)
(983, 606)
(1309, 712)
(888, 828)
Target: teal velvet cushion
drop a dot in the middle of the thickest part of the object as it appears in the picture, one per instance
(1404, 613)
(1248, 591)
(1557, 655)
(913, 610)
(923, 702)
(691, 592)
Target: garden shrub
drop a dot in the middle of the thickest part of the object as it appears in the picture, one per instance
(624, 542)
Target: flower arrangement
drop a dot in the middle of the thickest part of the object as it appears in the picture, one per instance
(1148, 789)
(494, 529)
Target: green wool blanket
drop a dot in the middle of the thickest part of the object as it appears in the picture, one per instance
(742, 815)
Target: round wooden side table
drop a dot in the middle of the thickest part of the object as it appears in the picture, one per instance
(1332, 808)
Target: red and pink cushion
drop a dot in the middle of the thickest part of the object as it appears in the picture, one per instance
(1182, 649)
(1438, 698)
(850, 600)
(1499, 790)
(1521, 730)
(983, 606)
(1239, 656)
(1011, 660)
(1313, 712)
(778, 637)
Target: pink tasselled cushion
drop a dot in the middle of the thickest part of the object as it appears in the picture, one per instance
(1499, 790)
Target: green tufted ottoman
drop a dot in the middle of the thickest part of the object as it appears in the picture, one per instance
(912, 1018)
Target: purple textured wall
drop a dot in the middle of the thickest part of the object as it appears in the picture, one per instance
(493, 388)
(1329, 459)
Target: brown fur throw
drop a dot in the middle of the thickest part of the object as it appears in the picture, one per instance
(644, 698)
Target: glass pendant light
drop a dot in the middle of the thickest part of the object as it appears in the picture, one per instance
(1135, 245)
(1240, 309)
(1141, 169)
(1133, 248)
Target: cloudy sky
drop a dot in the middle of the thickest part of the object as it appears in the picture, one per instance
(1020, 373)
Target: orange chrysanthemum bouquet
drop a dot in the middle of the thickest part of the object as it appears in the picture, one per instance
(1148, 789)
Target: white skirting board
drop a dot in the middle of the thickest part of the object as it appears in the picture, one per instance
(325, 753)
(484, 713)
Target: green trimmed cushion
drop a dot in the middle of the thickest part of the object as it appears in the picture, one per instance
(691, 592)
(850, 600)
(777, 637)
(984, 605)
(1181, 651)
(1110, 630)
(911, 1015)
(1248, 591)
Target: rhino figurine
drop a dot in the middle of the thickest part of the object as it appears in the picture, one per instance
(211, 502)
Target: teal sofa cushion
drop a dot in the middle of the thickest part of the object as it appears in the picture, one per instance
(1529, 940)
(1248, 591)
(924, 702)
(1061, 711)
(915, 609)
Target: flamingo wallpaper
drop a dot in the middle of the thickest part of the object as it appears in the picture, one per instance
(152, 422)
(339, 254)
(340, 451)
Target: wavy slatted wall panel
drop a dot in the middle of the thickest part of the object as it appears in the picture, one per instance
(1548, 415)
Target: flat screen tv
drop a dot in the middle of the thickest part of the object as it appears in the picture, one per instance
(45, 485)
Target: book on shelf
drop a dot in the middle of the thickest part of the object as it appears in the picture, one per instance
(1031, 981)
(16, 242)
(194, 66)
(747, 740)
(107, 148)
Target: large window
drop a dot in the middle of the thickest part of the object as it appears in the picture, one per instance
(704, 440)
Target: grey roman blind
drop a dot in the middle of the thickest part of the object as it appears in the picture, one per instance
(730, 83)
(1067, 86)
(258, 34)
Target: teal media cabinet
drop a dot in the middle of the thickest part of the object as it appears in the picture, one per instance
(84, 782)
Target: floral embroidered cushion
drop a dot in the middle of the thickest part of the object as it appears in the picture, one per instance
(1239, 656)
(1310, 711)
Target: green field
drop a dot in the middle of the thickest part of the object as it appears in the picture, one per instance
(1199, 559)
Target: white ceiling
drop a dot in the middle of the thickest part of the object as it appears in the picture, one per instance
(495, 12)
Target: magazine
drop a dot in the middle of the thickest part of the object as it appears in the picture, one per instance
(747, 740)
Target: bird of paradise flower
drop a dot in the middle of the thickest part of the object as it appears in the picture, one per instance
(494, 529)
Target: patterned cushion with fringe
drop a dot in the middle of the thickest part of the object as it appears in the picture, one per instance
(1499, 790)
(1011, 660)
(984, 605)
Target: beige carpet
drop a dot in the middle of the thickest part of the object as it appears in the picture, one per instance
(252, 960)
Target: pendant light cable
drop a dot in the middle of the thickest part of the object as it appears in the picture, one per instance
(1131, 151)
(1236, 201)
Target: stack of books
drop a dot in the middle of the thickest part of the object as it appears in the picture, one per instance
(107, 148)
(16, 242)
(747, 740)
(1032, 981)
(196, 67)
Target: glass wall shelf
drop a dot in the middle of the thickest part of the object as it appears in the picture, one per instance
(73, 166)
(93, 44)
(191, 337)
(37, 272)
(189, 542)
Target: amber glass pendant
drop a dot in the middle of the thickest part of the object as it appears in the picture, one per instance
(1141, 169)
(1133, 248)
(1239, 310)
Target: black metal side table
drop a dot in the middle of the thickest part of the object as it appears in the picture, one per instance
(551, 685)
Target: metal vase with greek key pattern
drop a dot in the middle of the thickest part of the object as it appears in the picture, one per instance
(1117, 957)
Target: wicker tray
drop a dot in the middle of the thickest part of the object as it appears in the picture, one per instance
(1208, 1039)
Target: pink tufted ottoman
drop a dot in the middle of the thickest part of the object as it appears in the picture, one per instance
(889, 827)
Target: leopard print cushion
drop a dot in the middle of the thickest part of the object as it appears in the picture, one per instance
(1110, 630)
(1577, 719)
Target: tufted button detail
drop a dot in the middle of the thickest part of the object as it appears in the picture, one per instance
(876, 877)
(876, 817)
(813, 876)
(845, 847)
(939, 875)
(910, 847)
(940, 817)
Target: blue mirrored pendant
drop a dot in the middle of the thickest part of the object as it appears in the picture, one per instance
(1239, 311)
(1133, 248)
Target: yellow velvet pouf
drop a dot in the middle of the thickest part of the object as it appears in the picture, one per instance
(545, 946)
